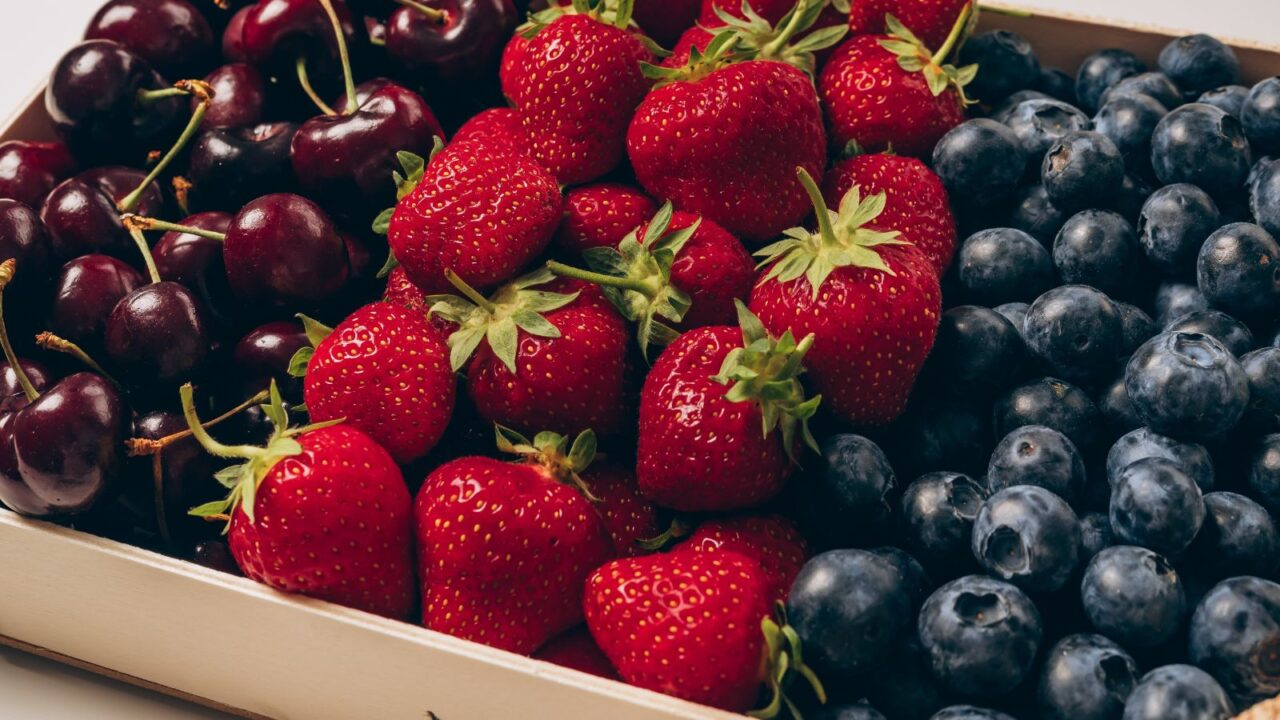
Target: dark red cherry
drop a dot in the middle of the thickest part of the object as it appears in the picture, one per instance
(82, 216)
(29, 170)
(157, 333)
(12, 397)
(276, 32)
(233, 50)
(347, 161)
(172, 35)
(84, 294)
(186, 480)
(231, 167)
(93, 100)
(215, 555)
(23, 238)
(239, 96)
(466, 47)
(196, 262)
(283, 251)
(264, 354)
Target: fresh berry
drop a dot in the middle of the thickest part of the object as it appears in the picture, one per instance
(1027, 536)
(980, 163)
(499, 128)
(1228, 98)
(1175, 222)
(1041, 122)
(977, 350)
(1133, 596)
(1198, 63)
(850, 493)
(1129, 121)
(1143, 443)
(1082, 170)
(1233, 334)
(1053, 403)
(1238, 270)
(1203, 146)
(1178, 692)
(1040, 456)
(1156, 504)
(1187, 385)
(1034, 214)
(939, 509)
(1260, 116)
(1154, 85)
(1233, 632)
(577, 650)
(1097, 248)
(1102, 70)
(601, 216)
(1086, 677)
(1076, 329)
(930, 21)
(771, 540)
(1006, 63)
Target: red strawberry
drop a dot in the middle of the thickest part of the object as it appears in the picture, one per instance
(541, 354)
(930, 20)
(628, 516)
(916, 202)
(708, 415)
(870, 299)
(665, 20)
(883, 91)
(715, 13)
(577, 650)
(504, 548)
(499, 128)
(771, 540)
(479, 211)
(601, 216)
(575, 77)
(401, 291)
(320, 511)
(385, 370)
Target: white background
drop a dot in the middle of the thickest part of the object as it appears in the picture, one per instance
(34, 33)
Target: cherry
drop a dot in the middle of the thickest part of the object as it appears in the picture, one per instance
(82, 214)
(264, 354)
(23, 238)
(215, 555)
(109, 105)
(84, 294)
(239, 97)
(172, 35)
(460, 43)
(29, 170)
(233, 49)
(195, 261)
(278, 32)
(180, 475)
(12, 396)
(231, 167)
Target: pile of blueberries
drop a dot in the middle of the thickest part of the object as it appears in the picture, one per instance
(1082, 521)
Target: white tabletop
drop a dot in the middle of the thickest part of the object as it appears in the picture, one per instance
(32, 37)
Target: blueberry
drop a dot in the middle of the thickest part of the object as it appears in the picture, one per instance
(852, 487)
(1015, 313)
(1004, 265)
(1129, 121)
(1095, 535)
(1228, 98)
(1157, 505)
(1187, 386)
(912, 577)
(1238, 538)
(1218, 325)
(1040, 456)
(1154, 85)
(939, 433)
(1101, 70)
(1053, 403)
(1027, 536)
(980, 163)
(1198, 63)
(1239, 270)
(1175, 222)
(1117, 409)
(1086, 677)
(976, 348)
(1178, 692)
(1262, 367)
(1002, 111)
(939, 509)
(1008, 64)
(1261, 116)
(1039, 123)
(1264, 197)
(1133, 194)
(1264, 473)
(1034, 214)
(1136, 327)
(1175, 299)
(980, 634)
(1133, 596)
(969, 712)
(1082, 169)
(904, 687)
(1076, 329)
(1145, 443)
(1057, 84)
(1097, 248)
(855, 711)
(1235, 637)
(1204, 146)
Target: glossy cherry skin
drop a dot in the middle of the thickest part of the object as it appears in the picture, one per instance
(172, 35)
(231, 167)
(157, 333)
(276, 32)
(263, 355)
(347, 161)
(466, 48)
(239, 97)
(12, 397)
(29, 170)
(196, 263)
(186, 477)
(92, 99)
(61, 454)
(283, 251)
(82, 216)
(233, 50)
(24, 239)
(85, 292)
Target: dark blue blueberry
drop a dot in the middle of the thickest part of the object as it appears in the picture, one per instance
(904, 687)
(911, 575)
(1117, 409)
(1008, 64)
(1102, 70)
(1001, 112)
(1239, 271)
(1040, 456)
(939, 509)
(850, 609)
(1136, 326)
(1218, 325)
(852, 486)
(1199, 63)
(1264, 473)
(1235, 637)
(1097, 248)
(969, 712)
(1027, 536)
(1204, 146)
(1261, 116)
(855, 711)
(1175, 222)
(1263, 370)
(1004, 265)
(1039, 123)
(1178, 692)
(1053, 403)
(939, 433)
(1057, 84)
(980, 634)
(1175, 299)
(1145, 443)
(1238, 538)
(1082, 169)
(1133, 194)
(1015, 313)
(1154, 85)
(976, 348)
(1086, 677)
(1264, 197)
(1187, 386)
(1034, 214)
(1229, 98)
(1133, 596)
(1095, 535)
(1076, 329)
(980, 163)
(1157, 505)
(1130, 121)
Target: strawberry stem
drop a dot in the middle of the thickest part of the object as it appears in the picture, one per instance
(138, 222)
(49, 341)
(470, 293)
(198, 89)
(304, 80)
(7, 270)
(957, 31)
(139, 447)
(825, 227)
(784, 37)
(202, 436)
(621, 283)
(348, 78)
(439, 17)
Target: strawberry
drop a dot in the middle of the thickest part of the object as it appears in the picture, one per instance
(601, 216)
(575, 77)
(716, 135)
(870, 299)
(500, 128)
(401, 291)
(716, 14)
(321, 511)
(541, 354)
(504, 548)
(929, 20)
(577, 650)
(628, 516)
(385, 370)
(479, 211)
(708, 415)
(890, 91)
(916, 202)
(771, 540)
(665, 20)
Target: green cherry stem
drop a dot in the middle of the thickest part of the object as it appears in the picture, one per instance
(348, 78)
(7, 270)
(470, 293)
(147, 97)
(957, 31)
(152, 271)
(439, 17)
(139, 447)
(49, 341)
(305, 81)
(613, 281)
(138, 222)
(202, 436)
(198, 89)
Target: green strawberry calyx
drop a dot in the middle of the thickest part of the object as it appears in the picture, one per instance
(413, 168)
(784, 660)
(316, 332)
(758, 40)
(913, 56)
(616, 13)
(767, 371)
(243, 478)
(498, 319)
(553, 452)
(636, 277)
(842, 239)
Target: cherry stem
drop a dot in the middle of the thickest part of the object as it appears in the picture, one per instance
(305, 81)
(7, 270)
(147, 257)
(146, 97)
(197, 88)
(138, 222)
(613, 281)
(49, 341)
(470, 293)
(348, 78)
(182, 193)
(211, 446)
(439, 17)
(957, 30)
(139, 447)
(819, 205)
